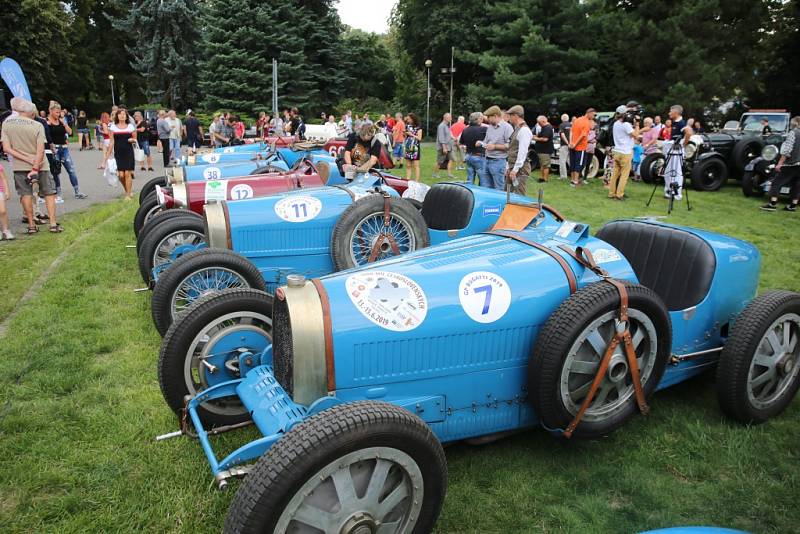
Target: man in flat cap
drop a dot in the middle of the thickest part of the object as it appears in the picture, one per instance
(496, 143)
(519, 167)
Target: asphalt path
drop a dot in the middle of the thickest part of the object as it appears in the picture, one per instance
(91, 182)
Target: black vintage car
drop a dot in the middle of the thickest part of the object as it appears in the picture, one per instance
(712, 158)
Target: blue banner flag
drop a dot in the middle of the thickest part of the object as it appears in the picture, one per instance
(11, 73)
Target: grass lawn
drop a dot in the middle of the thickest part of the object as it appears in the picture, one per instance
(80, 406)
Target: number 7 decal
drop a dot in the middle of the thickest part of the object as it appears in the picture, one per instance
(486, 303)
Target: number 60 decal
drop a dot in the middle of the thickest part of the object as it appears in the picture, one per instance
(484, 296)
(298, 208)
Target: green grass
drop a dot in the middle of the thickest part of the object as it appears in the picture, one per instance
(80, 405)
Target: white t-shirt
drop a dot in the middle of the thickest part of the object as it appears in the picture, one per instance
(623, 142)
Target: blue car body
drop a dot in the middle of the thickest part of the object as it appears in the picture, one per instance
(465, 377)
(284, 159)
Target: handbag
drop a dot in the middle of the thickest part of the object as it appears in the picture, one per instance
(138, 153)
(111, 173)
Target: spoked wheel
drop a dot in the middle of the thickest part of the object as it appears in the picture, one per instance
(362, 235)
(203, 348)
(572, 343)
(758, 373)
(168, 242)
(356, 468)
(160, 217)
(197, 275)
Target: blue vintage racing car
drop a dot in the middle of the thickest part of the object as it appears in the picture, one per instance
(368, 371)
(257, 243)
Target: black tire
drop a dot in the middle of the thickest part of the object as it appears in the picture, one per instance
(144, 212)
(159, 218)
(177, 343)
(734, 367)
(400, 210)
(744, 151)
(147, 250)
(416, 203)
(564, 328)
(266, 169)
(150, 187)
(709, 174)
(161, 307)
(593, 168)
(647, 171)
(751, 184)
(329, 437)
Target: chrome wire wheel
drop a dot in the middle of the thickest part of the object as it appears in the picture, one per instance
(377, 490)
(776, 362)
(167, 246)
(371, 229)
(213, 355)
(583, 361)
(201, 283)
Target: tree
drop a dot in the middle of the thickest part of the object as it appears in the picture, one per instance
(780, 70)
(166, 48)
(366, 65)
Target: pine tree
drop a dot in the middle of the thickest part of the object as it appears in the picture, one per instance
(166, 47)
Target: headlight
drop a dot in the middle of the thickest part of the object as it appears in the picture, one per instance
(769, 152)
(217, 225)
(689, 151)
(301, 351)
(180, 195)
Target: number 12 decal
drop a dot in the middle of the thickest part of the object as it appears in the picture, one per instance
(484, 296)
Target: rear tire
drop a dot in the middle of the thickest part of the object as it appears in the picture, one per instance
(395, 456)
(155, 244)
(180, 371)
(150, 187)
(358, 227)
(709, 174)
(203, 265)
(758, 373)
(146, 210)
(650, 167)
(571, 344)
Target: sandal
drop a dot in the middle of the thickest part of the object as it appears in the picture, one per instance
(32, 230)
(56, 229)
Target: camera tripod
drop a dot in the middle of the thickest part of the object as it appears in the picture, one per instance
(673, 188)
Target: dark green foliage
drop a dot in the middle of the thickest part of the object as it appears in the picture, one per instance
(165, 50)
(366, 65)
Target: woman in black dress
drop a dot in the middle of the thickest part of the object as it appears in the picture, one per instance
(123, 137)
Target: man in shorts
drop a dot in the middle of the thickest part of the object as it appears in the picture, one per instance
(23, 139)
(578, 143)
(543, 145)
(398, 136)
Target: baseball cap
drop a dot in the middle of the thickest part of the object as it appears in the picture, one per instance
(622, 109)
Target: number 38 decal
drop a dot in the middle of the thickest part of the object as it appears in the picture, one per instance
(484, 296)
(297, 208)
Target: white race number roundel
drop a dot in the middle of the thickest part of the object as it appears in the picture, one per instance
(228, 150)
(484, 296)
(212, 173)
(390, 300)
(241, 192)
(298, 208)
(211, 158)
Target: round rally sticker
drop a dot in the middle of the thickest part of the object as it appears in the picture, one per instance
(211, 158)
(241, 191)
(298, 208)
(212, 173)
(484, 296)
(390, 300)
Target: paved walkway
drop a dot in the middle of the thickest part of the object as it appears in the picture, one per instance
(91, 181)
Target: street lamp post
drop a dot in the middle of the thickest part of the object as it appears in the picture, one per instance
(428, 64)
(111, 79)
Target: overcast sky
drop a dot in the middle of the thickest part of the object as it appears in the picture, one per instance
(367, 15)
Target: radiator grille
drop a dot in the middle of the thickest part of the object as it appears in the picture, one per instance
(282, 351)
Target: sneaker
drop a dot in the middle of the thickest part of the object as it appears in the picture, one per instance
(81, 196)
(790, 207)
(59, 200)
(8, 236)
(769, 207)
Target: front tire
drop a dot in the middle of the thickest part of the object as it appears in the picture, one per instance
(362, 224)
(751, 184)
(150, 187)
(650, 169)
(196, 275)
(744, 151)
(160, 217)
(213, 330)
(360, 464)
(146, 210)
(758, 373)
(163, 243)
(709, 174)
(571, 344)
